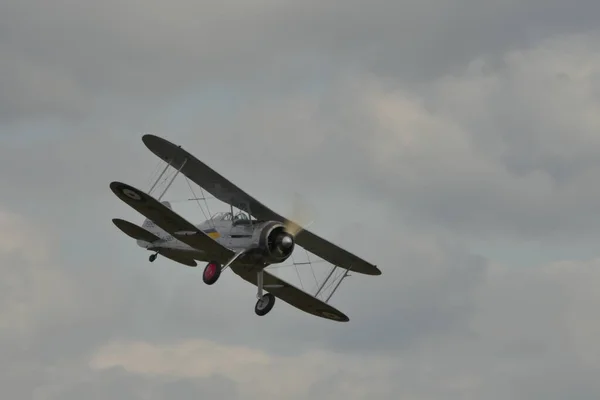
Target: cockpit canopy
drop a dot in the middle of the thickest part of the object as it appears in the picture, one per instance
(228, 216)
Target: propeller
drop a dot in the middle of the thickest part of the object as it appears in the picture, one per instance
(301, 216)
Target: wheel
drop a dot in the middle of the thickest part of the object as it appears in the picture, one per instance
(211, 273)
(264, 304)
(152, 257)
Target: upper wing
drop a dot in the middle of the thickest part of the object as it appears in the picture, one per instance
(170, 221)
(224, 190)
(294, 296)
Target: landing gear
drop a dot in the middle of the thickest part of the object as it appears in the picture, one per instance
(211, 273)
(213, 269)
(153, 257)
(264, 304)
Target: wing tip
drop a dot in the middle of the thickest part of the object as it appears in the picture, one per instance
(344, 318)
(149, 137)
(151, 141)
(119, 223)
(372, 270)
(116, 185)
(332, 314)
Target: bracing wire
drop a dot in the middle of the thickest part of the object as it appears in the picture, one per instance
(295, 264)
(197, 199)
(152, 177)
(194, 194)
(297, 272)
(311, 267)
(190, 199)
(331, 282)
(207, 208)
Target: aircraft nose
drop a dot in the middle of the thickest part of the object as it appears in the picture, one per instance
(286, 241)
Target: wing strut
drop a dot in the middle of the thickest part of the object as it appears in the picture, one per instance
(159, 177)
(326, 280)
(172, 179)
(338, 284)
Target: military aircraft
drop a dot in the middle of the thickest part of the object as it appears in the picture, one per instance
(247, 241)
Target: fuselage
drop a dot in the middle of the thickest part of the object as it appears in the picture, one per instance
(260, 240)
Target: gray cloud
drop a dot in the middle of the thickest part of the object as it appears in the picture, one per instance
(68, 59)
(418, 129)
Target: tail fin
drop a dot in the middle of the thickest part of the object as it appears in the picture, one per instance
(150, 226)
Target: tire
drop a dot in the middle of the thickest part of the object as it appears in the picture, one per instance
(211, 273)
(264, 304)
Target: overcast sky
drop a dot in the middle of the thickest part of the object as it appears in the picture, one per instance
(454, 144)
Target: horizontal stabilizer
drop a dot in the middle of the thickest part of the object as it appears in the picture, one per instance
(134, 231)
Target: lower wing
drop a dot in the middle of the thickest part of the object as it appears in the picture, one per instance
(177, 256)
(170, 221)
(294, 296)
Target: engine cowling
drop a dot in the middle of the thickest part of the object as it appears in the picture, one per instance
(273, 243)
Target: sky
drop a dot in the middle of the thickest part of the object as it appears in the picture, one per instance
(453, 144)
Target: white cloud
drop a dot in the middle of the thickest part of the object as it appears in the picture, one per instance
(510, 151)
(530, 336)
(32, 289)
(256, 373)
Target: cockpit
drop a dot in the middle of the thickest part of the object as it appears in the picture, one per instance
(239, 218)
(221, 216)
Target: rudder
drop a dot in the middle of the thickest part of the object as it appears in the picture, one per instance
(150, 226)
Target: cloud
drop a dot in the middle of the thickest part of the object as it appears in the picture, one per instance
(163, 305)
(504, 147)
(529, 336)
(32, 289)
(511, 150)
(496, 152)
(255, 373)
(423, 134)
(66, 60)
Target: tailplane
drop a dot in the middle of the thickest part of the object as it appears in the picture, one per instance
(150, 226)
(149, 232)
(135, 232)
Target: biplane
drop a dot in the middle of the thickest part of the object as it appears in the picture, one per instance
(247, 241)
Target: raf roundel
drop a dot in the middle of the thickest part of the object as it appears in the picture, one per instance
(131, 194)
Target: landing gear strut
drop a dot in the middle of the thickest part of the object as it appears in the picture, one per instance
(265, 302)
(211, 273)
(153, 257)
